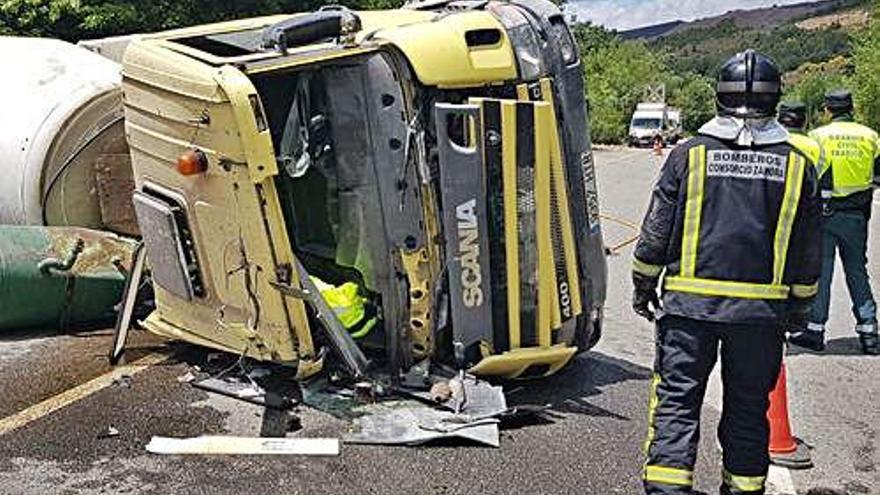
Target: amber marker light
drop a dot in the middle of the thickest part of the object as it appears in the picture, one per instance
(192, 162)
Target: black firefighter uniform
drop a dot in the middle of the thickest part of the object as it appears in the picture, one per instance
(735, 228)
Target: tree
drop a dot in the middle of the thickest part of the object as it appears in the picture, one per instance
(617, 72)
(695, 96)
(810, 83)
(73, 20)
(866, 79)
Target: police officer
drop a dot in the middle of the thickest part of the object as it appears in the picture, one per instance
(851, 151)
(733, 228)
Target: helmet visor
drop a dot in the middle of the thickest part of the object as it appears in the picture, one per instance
(745, 104)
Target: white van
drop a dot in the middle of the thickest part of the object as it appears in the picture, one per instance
(654, 119)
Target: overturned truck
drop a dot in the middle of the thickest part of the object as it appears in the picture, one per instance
(434, 159)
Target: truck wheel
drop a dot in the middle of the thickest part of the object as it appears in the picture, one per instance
(588, 337)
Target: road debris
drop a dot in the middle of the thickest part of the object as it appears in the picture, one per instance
(124, 381)
(110, 432)
(413, 423)
(470, 409)
(228, 445)
(441, 392)
(129, 305)
(186, 378)
(365, 392)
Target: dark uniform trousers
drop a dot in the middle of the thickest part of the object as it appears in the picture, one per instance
(686, 352)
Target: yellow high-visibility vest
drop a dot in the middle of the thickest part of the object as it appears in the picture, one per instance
(809, 147)
(849, 152)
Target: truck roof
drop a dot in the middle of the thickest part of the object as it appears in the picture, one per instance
(417, 33)
(651, 106)
(648, 114)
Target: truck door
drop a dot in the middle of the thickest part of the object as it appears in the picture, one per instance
(222, 263)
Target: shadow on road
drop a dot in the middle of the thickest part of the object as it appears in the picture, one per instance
(846, 346)
(570, 390)
(25, 334)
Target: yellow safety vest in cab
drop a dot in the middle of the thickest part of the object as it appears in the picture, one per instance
(850, 152)
(735, 228)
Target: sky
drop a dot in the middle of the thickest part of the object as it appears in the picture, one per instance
(628, 14)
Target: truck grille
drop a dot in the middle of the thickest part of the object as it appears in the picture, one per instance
(516, 175)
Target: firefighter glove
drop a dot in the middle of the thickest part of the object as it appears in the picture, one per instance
(645, 300)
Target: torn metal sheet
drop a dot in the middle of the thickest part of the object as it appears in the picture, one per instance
(129, 301)
(411, 423)
(223, 445)
(471, 397)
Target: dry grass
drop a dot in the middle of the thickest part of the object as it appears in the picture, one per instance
(852, 19)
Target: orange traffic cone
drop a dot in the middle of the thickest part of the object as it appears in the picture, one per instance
(785, 449)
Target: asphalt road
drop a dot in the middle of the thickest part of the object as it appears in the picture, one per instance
(589, 444)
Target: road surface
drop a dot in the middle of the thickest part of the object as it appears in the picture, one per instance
(590, 443)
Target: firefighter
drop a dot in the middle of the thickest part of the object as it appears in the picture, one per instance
(732, 227)
(852, 153)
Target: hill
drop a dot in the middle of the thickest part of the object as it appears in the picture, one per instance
(755, 19)
(650, 32)
(793, 35)
(820, 45)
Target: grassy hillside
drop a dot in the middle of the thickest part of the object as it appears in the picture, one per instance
(703, 50)
(820, 46)
(792, 40)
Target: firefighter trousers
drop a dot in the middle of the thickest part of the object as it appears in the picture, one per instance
(687, 350)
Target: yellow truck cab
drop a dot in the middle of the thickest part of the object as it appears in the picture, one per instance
(432, 161)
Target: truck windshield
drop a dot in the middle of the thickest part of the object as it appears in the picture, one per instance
(646, 123)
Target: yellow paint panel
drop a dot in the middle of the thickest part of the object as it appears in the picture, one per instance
(547, 303)
(246, 105)
(440, 55)
(149, 63)
(511, 221)
(568, 243)
(513, 364)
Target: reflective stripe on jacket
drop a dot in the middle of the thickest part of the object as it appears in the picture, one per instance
(736, 230)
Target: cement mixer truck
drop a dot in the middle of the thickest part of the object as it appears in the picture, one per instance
(63, 152)
(67, 184)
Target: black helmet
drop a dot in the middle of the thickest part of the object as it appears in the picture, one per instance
(793, 114)
(749, 86)
(839, 101)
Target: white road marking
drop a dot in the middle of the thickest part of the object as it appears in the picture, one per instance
(77, 393)
(779, 481)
